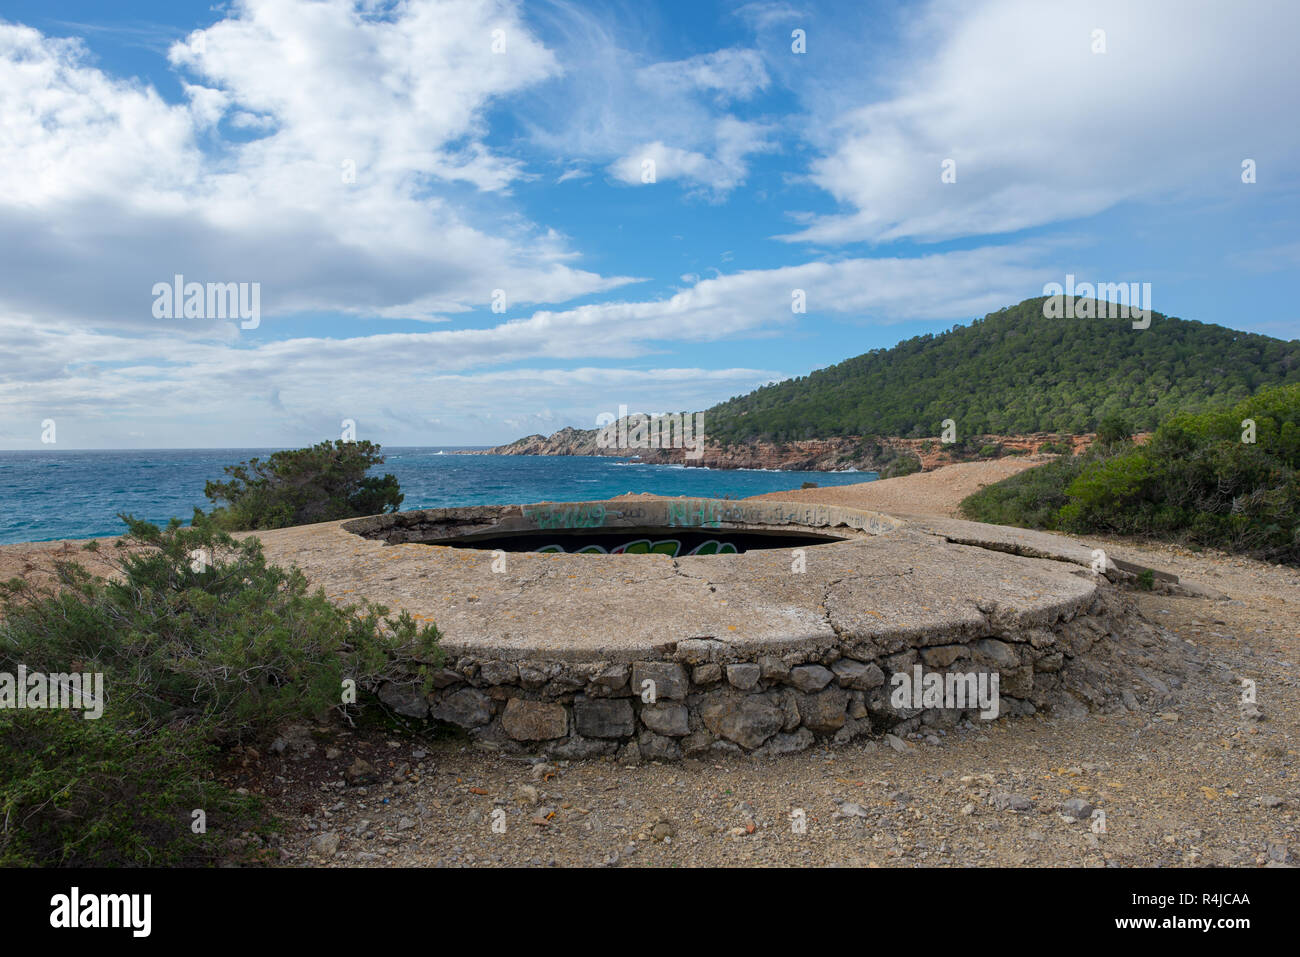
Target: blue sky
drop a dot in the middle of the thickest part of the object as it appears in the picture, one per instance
(498, 150)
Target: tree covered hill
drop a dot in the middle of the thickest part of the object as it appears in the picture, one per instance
(1016, 372)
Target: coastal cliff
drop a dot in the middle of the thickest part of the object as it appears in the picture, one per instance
(888, 456)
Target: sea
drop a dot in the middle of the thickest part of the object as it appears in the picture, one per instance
(53, 494)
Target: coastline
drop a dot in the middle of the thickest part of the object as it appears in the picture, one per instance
(863, 453)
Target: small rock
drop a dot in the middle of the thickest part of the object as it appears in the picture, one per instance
(743, 676)
(848, 809)
(326, 845)
(810, 678)
(1076, 809)
(360, 773)
(1006, 801)
(897, 743)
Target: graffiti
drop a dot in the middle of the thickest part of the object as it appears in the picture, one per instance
(696, 514)
(683, 513)
(566, 516)
(644, 546)
(712, 513)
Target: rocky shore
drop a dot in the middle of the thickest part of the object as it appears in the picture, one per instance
(885, 455)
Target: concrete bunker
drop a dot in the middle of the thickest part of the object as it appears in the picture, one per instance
(651, 655)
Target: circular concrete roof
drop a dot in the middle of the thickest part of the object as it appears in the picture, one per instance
(889, 582)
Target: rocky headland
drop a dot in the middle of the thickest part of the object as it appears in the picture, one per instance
(887, 455)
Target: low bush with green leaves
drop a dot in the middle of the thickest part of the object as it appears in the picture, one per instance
(904, 463)
(202, 644)
(322, 483)
(1031, 499)
(1199, 480)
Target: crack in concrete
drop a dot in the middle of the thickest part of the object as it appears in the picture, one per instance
(826, 607)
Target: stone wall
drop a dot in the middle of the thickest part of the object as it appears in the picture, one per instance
(708, 696)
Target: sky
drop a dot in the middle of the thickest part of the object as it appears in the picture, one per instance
(465, 221)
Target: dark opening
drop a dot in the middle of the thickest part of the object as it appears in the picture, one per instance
(672, 542)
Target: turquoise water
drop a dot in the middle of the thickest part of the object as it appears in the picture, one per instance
(77, 494)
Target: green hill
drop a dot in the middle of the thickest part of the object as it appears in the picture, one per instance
(1016, 372)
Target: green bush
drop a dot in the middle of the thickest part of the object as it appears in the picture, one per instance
(319, 484)
(1114, 429)
(1031, 499)
(906, 463)
(1195, 481)
(201, 644)
(81, 792)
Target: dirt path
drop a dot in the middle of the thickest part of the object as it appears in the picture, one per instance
(923, 493)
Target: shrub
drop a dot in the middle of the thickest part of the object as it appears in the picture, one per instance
(1114, 429)
(1031, 499)
(319, 484)
(195, 654)
(1195, 481)
(905, 463)
(1096, 493)
(100, 792)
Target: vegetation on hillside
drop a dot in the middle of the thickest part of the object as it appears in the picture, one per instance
(319, 484)
(1198, 479)
(201, 644)
(1015, 372)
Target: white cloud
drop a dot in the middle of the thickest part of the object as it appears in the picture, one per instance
(728, 74)
(112, 189)
(183, 390)
(720, 172)
(614, 102)
(1042, 129)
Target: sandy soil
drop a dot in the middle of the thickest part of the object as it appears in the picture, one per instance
(923, 493)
